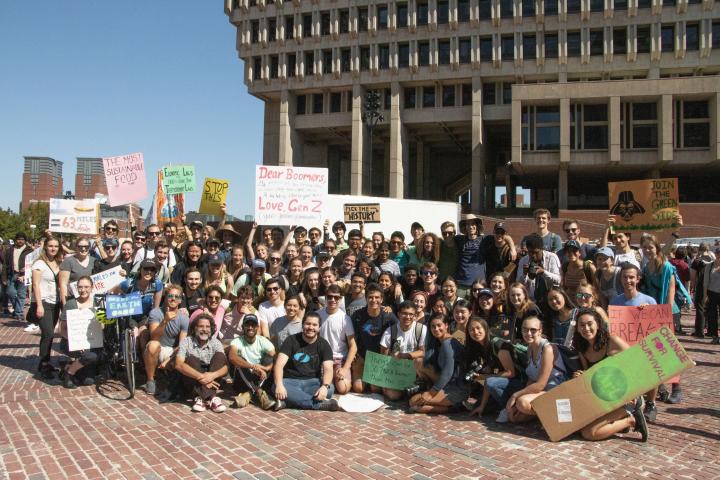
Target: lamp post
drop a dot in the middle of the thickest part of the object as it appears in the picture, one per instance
(371, 116)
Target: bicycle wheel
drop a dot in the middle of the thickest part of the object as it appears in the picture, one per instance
(128, 357)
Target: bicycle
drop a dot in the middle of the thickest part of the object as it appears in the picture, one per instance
(119, 346)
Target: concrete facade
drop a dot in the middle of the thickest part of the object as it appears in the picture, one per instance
(559, 97)
(42, 180)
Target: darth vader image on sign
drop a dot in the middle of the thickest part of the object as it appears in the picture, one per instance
(626, 206)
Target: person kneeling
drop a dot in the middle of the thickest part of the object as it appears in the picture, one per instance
(303, 370)
(404, 340)
(248, 355)
(201, 361)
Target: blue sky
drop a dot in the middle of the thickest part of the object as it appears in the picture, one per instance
(88, 78)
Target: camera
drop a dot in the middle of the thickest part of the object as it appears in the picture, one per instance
(475, 368)
(532, 270)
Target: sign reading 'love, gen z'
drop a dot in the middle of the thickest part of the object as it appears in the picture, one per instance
(290, 195)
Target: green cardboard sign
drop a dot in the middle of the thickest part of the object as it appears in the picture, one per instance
(179, 179)
(389, 372)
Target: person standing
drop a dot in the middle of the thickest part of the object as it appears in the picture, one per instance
(47, 304)
(14, 277)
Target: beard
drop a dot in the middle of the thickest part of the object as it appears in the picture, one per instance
(203, 336)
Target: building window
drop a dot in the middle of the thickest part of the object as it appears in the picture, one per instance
(402, 15)
(643, 39)
(644, 3)
(300, 103)
(448, 95)
(541, 127)
(428, 97)
(422, 13)
(639, 125)
(289, 27)
(529, 46)
(466, 94)
(335, 102)
(409, 100)
(551, 7)
(464, 50)
(589, 126)
(692, 124)
(272, 30)
(384, 56)
(506, 8)
(620, 40)
(485, 9)
(349, 101)
(692, 36)
(551, 45)
(309, 63)
(325, 24)
(382, 17)
(444, 52)
(620, 5)
(257, 68)
(507, 47)
(486, 49)
(363, 19)
(528, 8)
(488, 94)
(597, 42)
(345, 55)
(403, 55)
(254, 31)
(463, 10)
(344, 21)
(364, 58)
(443, 12)
(307, 25)
(317, 100)
(424, 53)
(327, 61)
(291, 64)
(87, 179)
(573, 44)
(667, 38)
(507, 93)
(597, 5)
(573, 6)
(716, 35)
(274, 66)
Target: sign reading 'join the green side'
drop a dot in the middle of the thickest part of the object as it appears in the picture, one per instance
(389, 372)
(178, 179)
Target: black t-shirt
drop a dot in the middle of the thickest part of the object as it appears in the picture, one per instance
(369, 330)
(305, 359)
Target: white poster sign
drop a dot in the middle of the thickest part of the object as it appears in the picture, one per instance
(290, 195)
(83, 329)
(102, 282)
(74, 216)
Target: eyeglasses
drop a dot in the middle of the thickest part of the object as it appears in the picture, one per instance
(531, 331)
(272, 289)
(173, 296)
(139, 239)
(448, 233)
(571, 230)
(274, 259)
(154, 234)
(583, 296)
(428, 273)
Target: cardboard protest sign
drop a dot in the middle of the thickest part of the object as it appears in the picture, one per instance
(125, 178)
(387, 371)
(361, 212)
(102, 282)
(178, 179)
(611, 383)
(74, 216)
(83, 330)
(290, 195)
(29, 260)
(168, 208)
(644, 204)
(123, 305)
(214, 193)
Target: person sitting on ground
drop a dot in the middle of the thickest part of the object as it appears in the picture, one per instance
(403, 340)
(587, 297)
(337, 328)
(288, 324)
(520, 307)
(461, 314)
(607, 276)
(594, 343)
(273, 307)
(563, 313)
(303, 370)
(201, 361)
(252, 355)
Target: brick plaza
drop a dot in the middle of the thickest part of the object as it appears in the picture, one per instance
(49, 432)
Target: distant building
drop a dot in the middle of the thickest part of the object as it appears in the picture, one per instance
(42, 180)
(121, 215)
(89, 178)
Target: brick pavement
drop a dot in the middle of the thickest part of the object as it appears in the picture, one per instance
(49, 432)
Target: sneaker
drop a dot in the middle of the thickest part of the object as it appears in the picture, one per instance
(502, 416)
(266, 403)
(663, 393)
(715, 341)
(88, 381)
(330, 405)
(165, 396)
(650, 412)
(279, 405)
(216, 405)
(242, 400)
(150, 387)
(415, 389)
(68, 382)
(640, 421)
(32, 328)
(676, 396)
(199, 405)
(468, 405)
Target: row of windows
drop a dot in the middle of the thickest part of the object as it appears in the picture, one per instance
(638, 126)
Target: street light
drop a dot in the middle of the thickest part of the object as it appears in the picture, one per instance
(371, 116)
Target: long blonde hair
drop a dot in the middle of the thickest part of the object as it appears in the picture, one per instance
(222, 277)
(659, 259)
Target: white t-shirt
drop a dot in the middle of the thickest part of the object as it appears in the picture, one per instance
(48, 286)
(408, 340)
(629, 257)
(335, 328)
(267, 313)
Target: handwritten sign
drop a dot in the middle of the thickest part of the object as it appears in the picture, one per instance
(179, 179)
(125, 178)
(74, 216)
(214, 193)
(644, 204)
(102, 282)
(123, 305)
(83, 330)
(632, 324)
(361, 212)
(387, 371)
(290, 195)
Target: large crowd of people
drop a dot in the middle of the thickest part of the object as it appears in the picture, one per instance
(287, 319)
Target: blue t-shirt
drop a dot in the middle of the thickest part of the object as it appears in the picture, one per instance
(471, 257)
(148, 295)
(639, 299)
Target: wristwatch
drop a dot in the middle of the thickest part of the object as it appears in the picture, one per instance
(326, 386)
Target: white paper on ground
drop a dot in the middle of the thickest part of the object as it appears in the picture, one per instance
(360, 403)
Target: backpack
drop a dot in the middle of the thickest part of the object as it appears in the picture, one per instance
(518, 352)
(570, 359)
(395, 330)
(682, 297)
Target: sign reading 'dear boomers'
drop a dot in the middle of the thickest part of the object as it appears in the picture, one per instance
(290, 195)
(125, 178)
(644, 204)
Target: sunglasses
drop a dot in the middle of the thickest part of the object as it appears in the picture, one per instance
(272, 289)
(448, 233)
(583, 296)
(154, 234)
(83, 247)
(110, 247)
(111, 229)
(274, 259)
(571, 230)
(214, 298)
(428, 273)
(173, 296)
(333, 297)
(139, 239)
(531, 331)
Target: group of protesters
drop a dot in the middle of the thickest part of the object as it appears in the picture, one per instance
(286, 319)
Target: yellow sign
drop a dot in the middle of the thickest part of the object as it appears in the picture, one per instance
(213, 194)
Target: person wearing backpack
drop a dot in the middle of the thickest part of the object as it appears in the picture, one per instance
(403, 340)
(697, 282)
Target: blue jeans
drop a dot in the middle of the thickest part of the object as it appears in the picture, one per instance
(300, 392)
(501, 388)
(16, 292)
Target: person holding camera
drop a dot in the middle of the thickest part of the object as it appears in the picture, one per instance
(538, 270)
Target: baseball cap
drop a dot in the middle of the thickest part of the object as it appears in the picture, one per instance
(148, 263)
(607, 251)
(214, 259)
(258, 263)
(323, 254)
(196, 223)
(499, 227)
(250, 318)
(110, 242)
(572, 244)
(485, 292)
(416, 225)
(214, 241)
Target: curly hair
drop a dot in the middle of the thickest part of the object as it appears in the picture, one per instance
(601, 338)
(203, 316)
